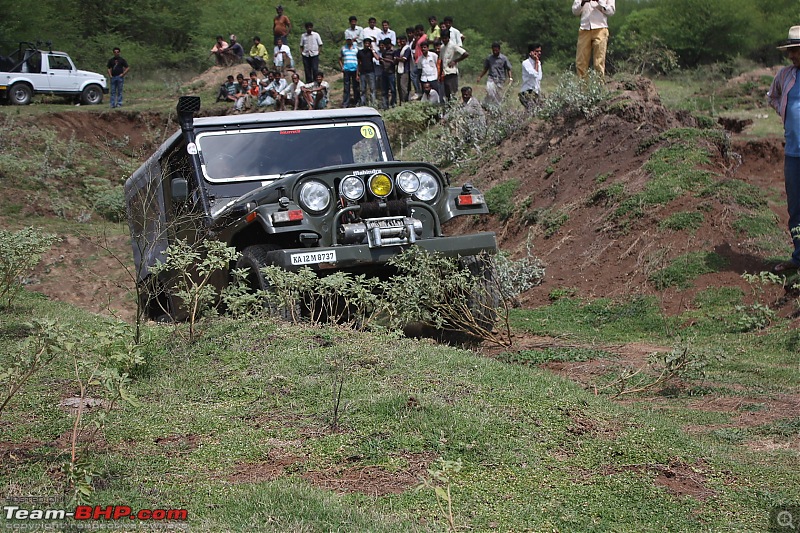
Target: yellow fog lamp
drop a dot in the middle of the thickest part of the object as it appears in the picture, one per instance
(380, 185)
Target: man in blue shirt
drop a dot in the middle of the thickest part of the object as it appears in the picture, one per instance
(784, 97)
(348, 61)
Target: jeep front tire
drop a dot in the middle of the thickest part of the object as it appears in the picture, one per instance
(253, 259)
(92, 95)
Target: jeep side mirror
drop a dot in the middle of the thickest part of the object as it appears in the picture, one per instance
(180, 190)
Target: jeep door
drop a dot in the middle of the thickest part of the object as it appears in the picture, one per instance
(62, 74)
(34, 66)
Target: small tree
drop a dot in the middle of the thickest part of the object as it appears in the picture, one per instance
(20, 252)
(191, 266)
(47, 340)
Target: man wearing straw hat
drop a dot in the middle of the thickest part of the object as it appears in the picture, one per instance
(784, 96)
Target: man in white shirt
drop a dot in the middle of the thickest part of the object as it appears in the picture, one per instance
(273, 91)
(291, 93)
(455, 35)
(387, 33)
(531, 77)
(450, 54)
(282, 57)
(310, 46)
(593, 34)
(427, 64)
(355, 33)
(372, 32)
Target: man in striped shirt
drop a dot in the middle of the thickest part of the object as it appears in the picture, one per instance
(348, 61)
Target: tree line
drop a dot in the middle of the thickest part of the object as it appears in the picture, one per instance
(156, 34)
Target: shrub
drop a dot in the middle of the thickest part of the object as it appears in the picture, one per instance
(501, 199)
(466, 133)
(517, 276)
(575, 97)
(409, 120)
(111, 204)
(192, 266)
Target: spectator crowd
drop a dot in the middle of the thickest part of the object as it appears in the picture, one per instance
(384, 68)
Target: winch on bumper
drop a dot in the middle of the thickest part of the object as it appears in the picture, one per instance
(386, 231)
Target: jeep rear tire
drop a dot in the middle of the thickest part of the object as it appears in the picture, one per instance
(253, 259)
(20, 94)
(92, 95)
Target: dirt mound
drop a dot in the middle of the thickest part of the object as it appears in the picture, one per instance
(568, 171)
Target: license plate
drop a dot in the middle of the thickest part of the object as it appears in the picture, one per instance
(312, 258)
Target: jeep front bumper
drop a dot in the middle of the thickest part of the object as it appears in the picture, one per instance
(361, 255)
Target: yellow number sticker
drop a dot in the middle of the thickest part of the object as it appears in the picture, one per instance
(368, 132)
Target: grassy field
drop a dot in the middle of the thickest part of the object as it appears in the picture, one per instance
(242, 430)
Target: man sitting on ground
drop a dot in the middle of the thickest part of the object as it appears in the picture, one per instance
(316, 94)
(240, 98)
(271, 95)
(234, 53)
(227, 90)
(218, 51)
(429, 94)
(258, 54)
(292, 95)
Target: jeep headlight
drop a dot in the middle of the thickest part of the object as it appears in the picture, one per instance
(380, 185)
(408, 182)
(315, 196)
(352, 188)
(428, 187)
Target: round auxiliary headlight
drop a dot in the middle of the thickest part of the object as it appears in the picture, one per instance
(315, 196)
(380, 185)
(428, 187)
(408, 182)
(352, 188)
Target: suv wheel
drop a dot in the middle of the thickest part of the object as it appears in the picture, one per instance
(253, 259)
(92, 95)
(20, 94)
(483, 300)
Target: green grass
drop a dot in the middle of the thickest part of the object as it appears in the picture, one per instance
(673, 171)
(683, 220)
(757, 225)
(596, 321)
(550, 220)
(685, 268)
(734, 191)
(245, 413)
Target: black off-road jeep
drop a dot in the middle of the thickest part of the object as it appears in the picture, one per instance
(317, 189)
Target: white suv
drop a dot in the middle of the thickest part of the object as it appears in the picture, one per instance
(29, 71)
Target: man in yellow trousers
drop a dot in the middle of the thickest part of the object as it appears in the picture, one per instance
(593, 34)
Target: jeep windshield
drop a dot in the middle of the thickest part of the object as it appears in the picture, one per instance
(268, 153)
